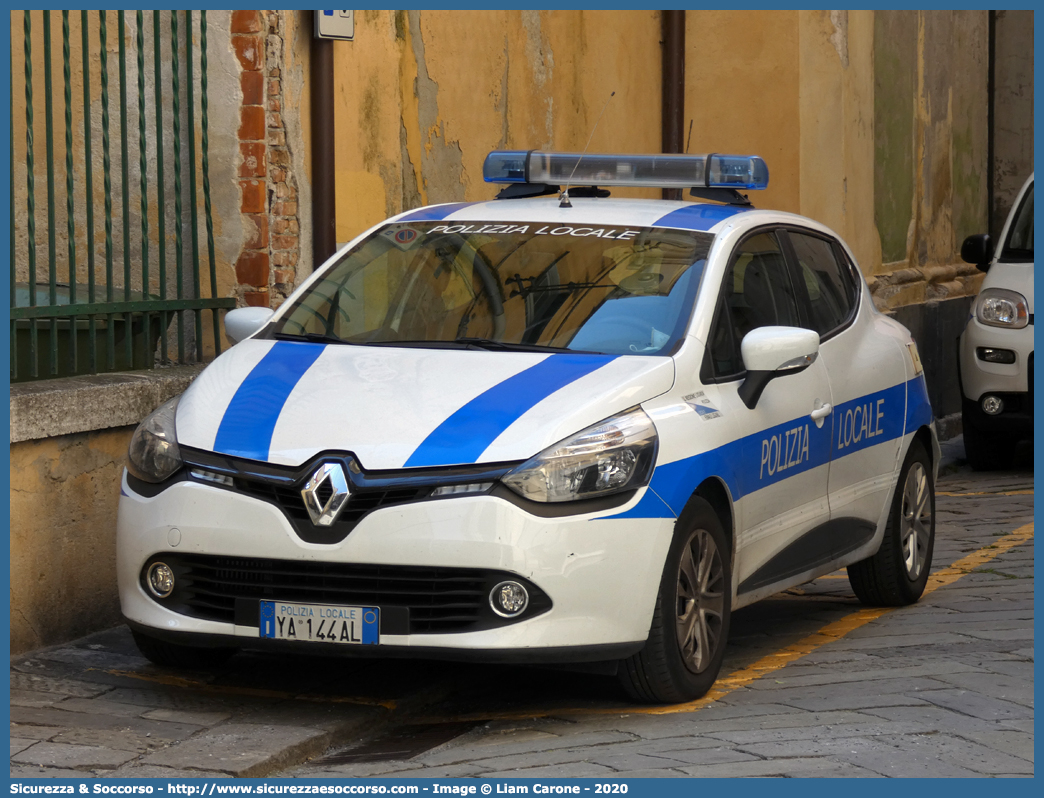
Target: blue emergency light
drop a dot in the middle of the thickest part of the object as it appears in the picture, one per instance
(598, 169)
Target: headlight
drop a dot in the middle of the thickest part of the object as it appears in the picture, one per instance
(153, 452)
(999, 307)
(612, 456)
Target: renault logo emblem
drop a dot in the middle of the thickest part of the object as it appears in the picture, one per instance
(326, 494)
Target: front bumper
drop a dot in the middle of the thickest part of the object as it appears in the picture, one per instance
(979, 377)
(1011, 382)
(600, 573)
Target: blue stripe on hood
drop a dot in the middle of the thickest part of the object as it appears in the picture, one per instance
(698, 217)
(435, 213)
(247, 426)
(465, 435)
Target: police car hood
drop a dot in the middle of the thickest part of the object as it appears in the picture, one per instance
(284, 402)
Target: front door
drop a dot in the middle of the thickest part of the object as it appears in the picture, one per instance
(780, 467)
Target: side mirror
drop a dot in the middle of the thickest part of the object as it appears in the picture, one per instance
(978, 249)
(243, 322)
(770, 352)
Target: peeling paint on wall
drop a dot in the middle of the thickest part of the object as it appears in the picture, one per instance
(839, 38)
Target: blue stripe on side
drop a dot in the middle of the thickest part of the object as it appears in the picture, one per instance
(247, 426)
(918, 406)
(767, 457)
(869, 420)
(698, 217)
(436, 213)
(465, 435)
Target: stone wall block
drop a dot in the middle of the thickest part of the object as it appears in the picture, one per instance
(253, 196)
(284, 242)
(254, 162)
(274, 48)
(252, 268)
(253, 86)
(248, 51)
(252, 123)
(258, 238)
(939, 274)
(246, 22)
(256, 299)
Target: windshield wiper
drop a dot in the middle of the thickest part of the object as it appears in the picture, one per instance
(507, 346)
(479, 343)
(316, 338)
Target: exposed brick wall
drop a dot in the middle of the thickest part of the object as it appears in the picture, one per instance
(266, 269)
(282, 183)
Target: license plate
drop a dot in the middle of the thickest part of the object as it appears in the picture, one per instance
(320, 623)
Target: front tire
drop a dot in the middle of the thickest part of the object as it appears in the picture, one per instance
(897, 574)
(690, 624)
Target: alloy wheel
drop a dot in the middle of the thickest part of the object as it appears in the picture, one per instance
(916, 523)
(700, 601)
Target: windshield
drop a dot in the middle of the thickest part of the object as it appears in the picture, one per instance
(523, 286)
(1019, 246)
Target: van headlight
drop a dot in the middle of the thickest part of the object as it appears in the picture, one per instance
(612, 456)
(999, 307)
(153, 453)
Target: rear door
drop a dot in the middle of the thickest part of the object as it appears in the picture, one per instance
(867, 376)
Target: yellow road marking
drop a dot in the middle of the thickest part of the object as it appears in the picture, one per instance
(254, 692)
(1028, 492)
(778, 659)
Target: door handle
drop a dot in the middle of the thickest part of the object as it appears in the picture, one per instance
(820, 413)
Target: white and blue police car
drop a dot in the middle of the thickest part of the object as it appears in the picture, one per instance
(548, 428)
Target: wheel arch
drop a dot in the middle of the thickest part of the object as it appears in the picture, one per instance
(924, 436)
(715, 492)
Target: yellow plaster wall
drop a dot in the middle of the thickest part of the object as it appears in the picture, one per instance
(742, 82)
(423, 96)
(64, 493)
(837, 127)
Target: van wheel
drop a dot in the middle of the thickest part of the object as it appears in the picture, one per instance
(897, 574)
(174, 655)
(986, 452)
(690, 624)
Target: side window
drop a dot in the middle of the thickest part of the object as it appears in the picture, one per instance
(1019, 246)
(828, 281)
(757, 292)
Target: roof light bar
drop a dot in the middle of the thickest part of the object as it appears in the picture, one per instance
(594, 169)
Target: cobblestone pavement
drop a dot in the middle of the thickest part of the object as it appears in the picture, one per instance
(813, 685)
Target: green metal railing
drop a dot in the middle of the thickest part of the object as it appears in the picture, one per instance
(93, 323)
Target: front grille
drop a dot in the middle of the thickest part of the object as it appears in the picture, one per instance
(369, 490)
(288, 499)
(437, 599)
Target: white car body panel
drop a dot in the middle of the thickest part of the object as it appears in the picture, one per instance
(977, 376)
(601, 569)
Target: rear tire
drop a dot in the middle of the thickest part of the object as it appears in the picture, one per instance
(174, 655)
(986, 451)
(897, 574)
(690, 624)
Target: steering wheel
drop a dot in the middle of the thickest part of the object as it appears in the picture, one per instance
(619, 333)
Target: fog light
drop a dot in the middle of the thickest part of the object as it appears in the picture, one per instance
(992, 405)
(161, 580)
(991, 355)
(508, 599)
